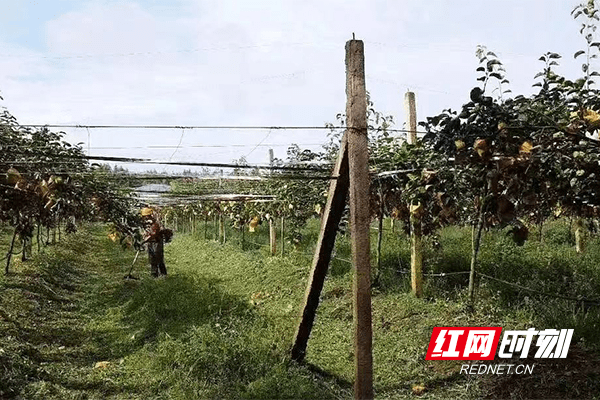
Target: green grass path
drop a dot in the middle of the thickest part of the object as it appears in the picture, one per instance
(221, 324)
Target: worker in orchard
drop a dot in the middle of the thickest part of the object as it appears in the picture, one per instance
(154, 237)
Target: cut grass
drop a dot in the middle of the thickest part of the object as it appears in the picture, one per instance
(221, 324)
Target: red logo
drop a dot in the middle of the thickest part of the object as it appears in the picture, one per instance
(463, 343)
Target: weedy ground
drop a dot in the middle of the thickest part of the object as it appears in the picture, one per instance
(221, 324)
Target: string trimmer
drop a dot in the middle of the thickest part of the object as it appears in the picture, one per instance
(129, 276)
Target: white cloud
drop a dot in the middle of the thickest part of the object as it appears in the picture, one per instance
(264, 63)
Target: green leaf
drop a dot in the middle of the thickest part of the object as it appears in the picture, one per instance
(554, 55)
(580, 52)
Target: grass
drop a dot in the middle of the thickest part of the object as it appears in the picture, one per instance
(221, 324)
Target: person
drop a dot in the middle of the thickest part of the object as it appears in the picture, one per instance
(154, 240)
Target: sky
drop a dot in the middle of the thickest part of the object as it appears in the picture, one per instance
(255, 63)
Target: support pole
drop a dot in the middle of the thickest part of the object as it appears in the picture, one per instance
(416, 250)
(358, 163)
(282, 235)
(579, 236)
(273, 236)
(332, 214)
(410, 108)
(416, 236)
(352, 173)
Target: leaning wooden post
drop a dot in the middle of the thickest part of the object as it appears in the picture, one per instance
(358, 163)
(332, 214)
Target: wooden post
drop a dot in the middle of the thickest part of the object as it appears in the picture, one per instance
(332, 214)
(358, 163)
(352, 172)
(242, 226)
(411, 117)
(273, 236)
(222, 228)
(579, 235)
(216, 227)
(416, 250)
(282, 235)
(416, 235)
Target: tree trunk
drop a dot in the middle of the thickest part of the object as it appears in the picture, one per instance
(9, 254)
(476, 244)
(24, 249)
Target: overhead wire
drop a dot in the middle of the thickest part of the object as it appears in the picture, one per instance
(198, 127)
(147, 53)
(288, 167)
